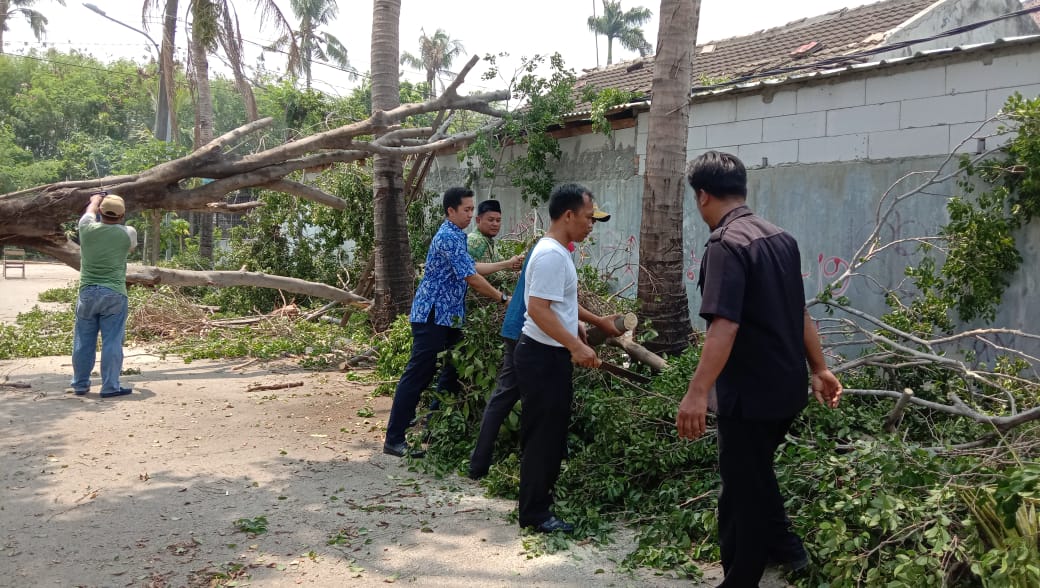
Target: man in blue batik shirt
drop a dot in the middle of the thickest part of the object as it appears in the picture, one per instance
(438, 312)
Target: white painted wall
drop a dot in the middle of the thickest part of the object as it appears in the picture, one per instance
(882, 113)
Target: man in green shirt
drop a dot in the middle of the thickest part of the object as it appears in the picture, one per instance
(102, 305)
(481, 241)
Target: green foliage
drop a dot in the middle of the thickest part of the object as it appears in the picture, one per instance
(317, 344)
(253, 526)
(547, 100)
(38, 334)
(1000, 195)
(602, 102)
(394, 351)
(68, 294)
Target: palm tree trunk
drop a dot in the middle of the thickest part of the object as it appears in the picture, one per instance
(203, 134)
(431, 81)
(393, 268)
(610, 49)
(662, 289)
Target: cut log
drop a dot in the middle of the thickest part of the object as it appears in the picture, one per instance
(639, 353)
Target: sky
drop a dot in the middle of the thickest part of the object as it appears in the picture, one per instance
(482, 26)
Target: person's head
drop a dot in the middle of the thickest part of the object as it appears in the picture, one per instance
(112, 208)
(572, 211)
(489, 218)
(719, 183)
(458, 206)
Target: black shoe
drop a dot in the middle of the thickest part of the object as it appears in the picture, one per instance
(401, 449)
(476, 474)
(553, 524)
(114, 393)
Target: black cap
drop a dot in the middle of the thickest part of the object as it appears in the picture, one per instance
(489, 206)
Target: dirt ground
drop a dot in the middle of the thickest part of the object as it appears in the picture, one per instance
(145, 490)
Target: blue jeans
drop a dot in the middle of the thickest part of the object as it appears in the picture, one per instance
(98, 310)
(428, 340)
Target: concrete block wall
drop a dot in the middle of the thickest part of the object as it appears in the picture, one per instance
(923, 110)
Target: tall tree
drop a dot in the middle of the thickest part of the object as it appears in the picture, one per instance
(394, 275)
(37, 21)
(307, 43)
(214, 22)
(661, 289)
(435, 56)
(625, 26)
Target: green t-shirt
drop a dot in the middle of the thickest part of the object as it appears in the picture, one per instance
(103, 254)
(481, 248)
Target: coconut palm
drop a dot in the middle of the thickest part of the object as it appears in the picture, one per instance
(307, 43)
(435, 56)
(37, 21)
(394, 275)
(661, 289)
(623, 26)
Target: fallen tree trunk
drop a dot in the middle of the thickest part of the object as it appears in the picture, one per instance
(218, 279)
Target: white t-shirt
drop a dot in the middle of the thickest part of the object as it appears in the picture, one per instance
(551, 276)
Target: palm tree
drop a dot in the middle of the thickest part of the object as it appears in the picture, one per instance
(661, 289)
(37, 21)
(307, 43)
(435, 56)
(623, 26)
(214, 22)
(394, 275)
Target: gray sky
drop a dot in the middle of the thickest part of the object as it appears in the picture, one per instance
(483, 26)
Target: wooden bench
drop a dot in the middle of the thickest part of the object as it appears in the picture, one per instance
(14, 259)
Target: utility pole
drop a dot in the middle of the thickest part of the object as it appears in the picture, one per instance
(162, 104)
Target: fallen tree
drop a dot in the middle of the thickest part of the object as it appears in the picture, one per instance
(34, 217)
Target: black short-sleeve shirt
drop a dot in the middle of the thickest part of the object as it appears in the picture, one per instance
(751, 274)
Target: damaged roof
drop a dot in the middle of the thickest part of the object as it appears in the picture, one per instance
(837, 33)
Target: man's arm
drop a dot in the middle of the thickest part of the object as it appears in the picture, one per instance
(90, 214)
(825, 385)
(540, 312)
(132, 233)
(482, 286)
(718, 343)
(513, 263)
(604, 323)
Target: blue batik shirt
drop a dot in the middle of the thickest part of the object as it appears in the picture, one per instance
(443, 286)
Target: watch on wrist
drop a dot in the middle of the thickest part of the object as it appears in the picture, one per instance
(505, 298)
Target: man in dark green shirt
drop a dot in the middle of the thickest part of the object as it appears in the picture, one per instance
(102, 305)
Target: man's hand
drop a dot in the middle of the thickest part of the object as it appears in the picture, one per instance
(826, 388)
(96, 199)
(516, 262)
(584, 356)
(583, 334)
(693, 410)
(608, 326)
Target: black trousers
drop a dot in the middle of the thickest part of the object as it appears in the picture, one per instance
(501, 403)
(544, 374)
(753, 527)
(428, 340)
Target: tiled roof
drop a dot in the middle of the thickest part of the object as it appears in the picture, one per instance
(836, 33)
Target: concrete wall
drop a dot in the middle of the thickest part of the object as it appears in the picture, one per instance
(833, 146)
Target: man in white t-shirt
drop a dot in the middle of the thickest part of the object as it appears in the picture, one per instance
(549, 346)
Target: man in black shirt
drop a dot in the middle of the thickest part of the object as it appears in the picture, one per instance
(759, 338)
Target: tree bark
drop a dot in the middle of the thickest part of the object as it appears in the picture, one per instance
(662, 290)
(393, 268)
(202, 223)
